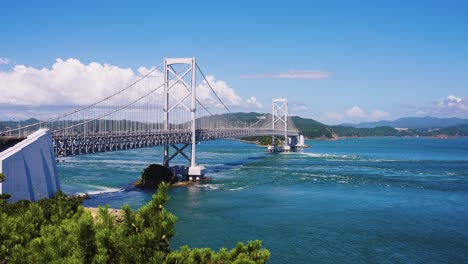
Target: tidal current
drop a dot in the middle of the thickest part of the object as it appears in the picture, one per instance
(370, 200)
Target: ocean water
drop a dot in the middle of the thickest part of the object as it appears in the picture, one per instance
(370, 200)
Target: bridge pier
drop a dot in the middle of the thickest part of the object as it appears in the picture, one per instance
(280, 121)
(194, 169)
(280, 114)
(294, 143)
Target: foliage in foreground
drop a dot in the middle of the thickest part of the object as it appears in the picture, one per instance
(59, 230)
(3, 196)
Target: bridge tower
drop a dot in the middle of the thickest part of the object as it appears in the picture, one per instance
(280, 118)
(181, 78)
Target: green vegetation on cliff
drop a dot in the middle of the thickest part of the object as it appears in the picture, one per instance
(265, 140)
(345, 131)
(3, 196)
(313, 129)
(461, 130)
(60, 230)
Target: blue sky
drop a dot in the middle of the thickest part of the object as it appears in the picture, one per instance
(336, 61)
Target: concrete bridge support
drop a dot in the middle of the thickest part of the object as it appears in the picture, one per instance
(30, 168)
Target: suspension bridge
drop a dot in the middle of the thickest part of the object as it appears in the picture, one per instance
(172, 105)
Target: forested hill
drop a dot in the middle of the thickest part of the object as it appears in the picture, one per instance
(310, 127)
(314, 129)
(6, 125)
(414, 123)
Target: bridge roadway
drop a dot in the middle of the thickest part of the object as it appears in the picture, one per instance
(85, 143)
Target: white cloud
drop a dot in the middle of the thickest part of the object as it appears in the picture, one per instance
(452, 101)
(355, 114)
(71, 83)
(333, 116)
(378, 115)
(254, 102)
(314, 75)
(226, 93)
(67, 82)
(298, 108)
(450, 106)
(355, 111)
(4, 61)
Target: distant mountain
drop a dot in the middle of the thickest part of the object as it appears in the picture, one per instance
(5, 125)
(418, 126)
(311, 128)
(413, 123)
(461, 130)
(301, 122)
(251, 117)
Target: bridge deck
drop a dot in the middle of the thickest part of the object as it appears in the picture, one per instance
(78, 144)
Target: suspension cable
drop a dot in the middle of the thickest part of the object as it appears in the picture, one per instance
(219, 99)
(91, 105)
(114, 111)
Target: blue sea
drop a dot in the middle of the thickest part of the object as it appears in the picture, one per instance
(368, 200)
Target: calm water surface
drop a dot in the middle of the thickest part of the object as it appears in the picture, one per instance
(375, 200)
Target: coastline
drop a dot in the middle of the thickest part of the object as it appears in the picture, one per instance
(117, 213)
(265, 146)
(429, 137)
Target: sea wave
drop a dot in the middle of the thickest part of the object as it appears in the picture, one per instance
(100, 190)
(237, 189)
(209, 186)
(326, 155)
(346, 157)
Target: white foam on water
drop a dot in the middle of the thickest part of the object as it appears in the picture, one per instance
(214, 165)
(237, 189)
(326, 155)
(122, 162)
(101, 190)
(317, 155)
(345, 157)
(377, 160)
(209, 186)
